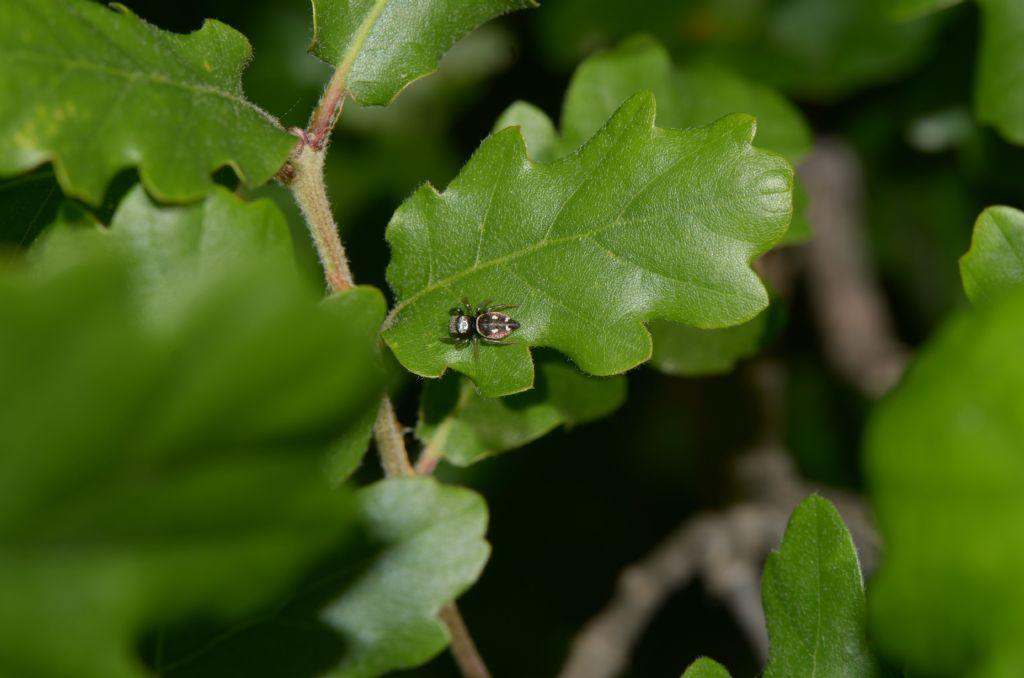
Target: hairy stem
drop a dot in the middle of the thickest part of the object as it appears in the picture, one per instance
(387, 433)
(307, 185)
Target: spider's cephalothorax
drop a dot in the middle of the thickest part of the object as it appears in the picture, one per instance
(483, 323)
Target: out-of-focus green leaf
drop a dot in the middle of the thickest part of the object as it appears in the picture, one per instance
(383, 45)
(643, 223)
(687, 351)
(999, 98)
(799, 226)
(995, 263)
(806, 47)
(910, 8)
(373, 607)
(150, 473)
(945, 466)
(688, 97)
(177, 252)
(97, 90)
(706, 668)
(434, 549)
(542, 141)
(27, 204)
(813, 597)
(459, 424)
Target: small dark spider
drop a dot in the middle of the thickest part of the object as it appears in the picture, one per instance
(484, 323)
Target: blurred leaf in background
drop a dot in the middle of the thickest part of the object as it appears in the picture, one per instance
(944, 468)
(805, 47)
(458, 423)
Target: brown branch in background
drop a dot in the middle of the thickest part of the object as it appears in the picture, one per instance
(467, 657)
(853, 315)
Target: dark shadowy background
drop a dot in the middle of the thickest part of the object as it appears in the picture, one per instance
(571, 510)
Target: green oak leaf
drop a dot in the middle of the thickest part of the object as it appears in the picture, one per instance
(687, 97)
(459, 424)
(813, 596)
(694, 96)
(383, 45)
(96, 90)
(151, 473)
(641, 223)
(433, 551)
(995, 263)
(687, 351)
(706, 668)
(999, 96)
(944, 465)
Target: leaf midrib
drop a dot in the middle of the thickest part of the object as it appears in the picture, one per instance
(359, 39)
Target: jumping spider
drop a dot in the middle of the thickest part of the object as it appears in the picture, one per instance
(484, 323)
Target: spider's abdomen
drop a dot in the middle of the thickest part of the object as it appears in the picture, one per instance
(495, 326)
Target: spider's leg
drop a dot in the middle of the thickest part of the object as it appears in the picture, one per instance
(500, 307)
(455, 311)
(476, 351)
(482, 308)
(495, 342)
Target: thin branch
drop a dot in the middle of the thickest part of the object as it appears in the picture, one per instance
(306, 173)
(390, 439)
(387, 433)
(464, 651)
(431, 454)
(852, 312)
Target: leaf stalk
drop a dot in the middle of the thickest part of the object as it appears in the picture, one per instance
(307, 186)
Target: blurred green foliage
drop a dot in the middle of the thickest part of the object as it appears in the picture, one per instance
(459, 424)
(151, 471)
(944, 465)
